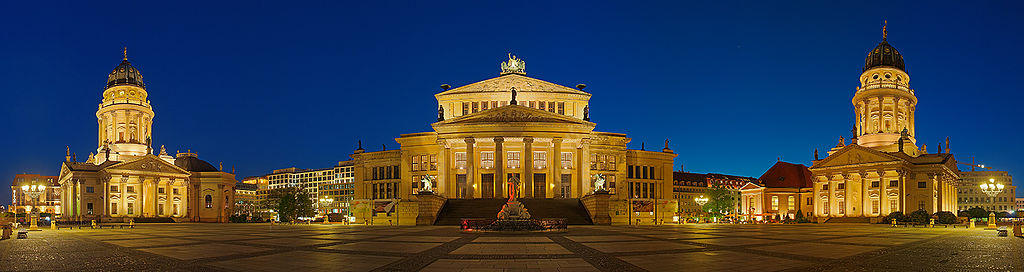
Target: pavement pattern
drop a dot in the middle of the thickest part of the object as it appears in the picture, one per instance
(262, 247)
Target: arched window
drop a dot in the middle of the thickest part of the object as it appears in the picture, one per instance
(209, 201)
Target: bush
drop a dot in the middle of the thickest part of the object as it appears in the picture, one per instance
(1003, 215)
(919, 216)
(894, 215)
(977, 213)
(945, 218)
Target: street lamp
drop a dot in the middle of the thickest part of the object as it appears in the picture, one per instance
(992, 189)
(701, 200)
(326, 201)
(33, 192)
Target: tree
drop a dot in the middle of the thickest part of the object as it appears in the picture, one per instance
(895, 215)
(290, 203)
(977, 213)
(919, 216)
(720, 201)
(945, 218)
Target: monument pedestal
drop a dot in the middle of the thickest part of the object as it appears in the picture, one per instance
(597, 206)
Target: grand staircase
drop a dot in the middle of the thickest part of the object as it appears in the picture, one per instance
(569, 208)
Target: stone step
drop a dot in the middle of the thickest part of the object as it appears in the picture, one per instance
(569, 208)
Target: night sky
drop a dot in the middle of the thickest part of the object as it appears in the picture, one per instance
(734, 86)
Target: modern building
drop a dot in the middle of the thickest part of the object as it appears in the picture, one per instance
(245, 199)
(513, 127)
(970, 194)
(1020, 204)
(125, 180)
(47, 200)
(732, 183)
(686, 189)
(781, 192)
(335, 183)
(882, 170)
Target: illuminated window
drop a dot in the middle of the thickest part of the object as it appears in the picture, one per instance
(611, 162)
(494, 104)
(566, 160)
(460, 160)
(161, 190)
(541, 105)
(113, 208)
(551, 106)
(874, 184)
(513, 159)
(533, 104)
(825, 207)
(433, 162)
(487, 159)
(894, 183)
(465, 108)
(540, 159)
(476, 107)
(775, 203)
(874, 206)
(131, 208)
(484, 106)
(842, 207)
(561, 107)
(593, 161)
(209, 201)
(841, 186)
(791, 203)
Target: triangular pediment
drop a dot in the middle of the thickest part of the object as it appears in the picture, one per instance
(749, 186)
(505, 82)
(856, 154)
(513, 114)
(148, 163)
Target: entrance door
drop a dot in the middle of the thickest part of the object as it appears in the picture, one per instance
(487, 186)
(565, 186)
(461, 188)
(539, 180)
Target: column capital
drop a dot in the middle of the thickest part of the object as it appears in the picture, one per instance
(528, 139)
(470, 140)
(499, 140)
(556, 140)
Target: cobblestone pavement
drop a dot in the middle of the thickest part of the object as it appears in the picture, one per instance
(262, 247)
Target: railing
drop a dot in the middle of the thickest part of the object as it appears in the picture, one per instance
(886, 85)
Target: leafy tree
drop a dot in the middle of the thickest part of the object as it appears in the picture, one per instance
(720, 201)
(1002, 215)
(977, 213)
(945, 218)
(290, 203)
(919, 216)
(895, 215)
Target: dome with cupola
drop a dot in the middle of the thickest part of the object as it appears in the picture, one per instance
(125, 74)
(884, 55)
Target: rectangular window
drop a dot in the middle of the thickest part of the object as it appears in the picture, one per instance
(566, 160)
(611, 162)
(113, 208)
(487, 159)
(824, 187)
(841, 186)
(922, 184)
(874, 206)
(791, 203)
(874, 184)
(540, 159)
(415, 162)
(160, 209)
(113, 188)
(842, 207)
(484, 106)
(476, 107)
(89, 189)
(611, 183)
(513, 159)
(593, 161)
(494, 104)
(460, 160)
(433, 162)
(131, 208)
(533, 104)
(644, 173)
(920, 205)
(750, 206)
(561, 107)
(542, 105)
(130, 189)
(465, 108)
(629, 171)
(175, 190)
(88, 208)
(894, 183)
(551, 106)
(824, 207)
(775, 203)
(161, 190)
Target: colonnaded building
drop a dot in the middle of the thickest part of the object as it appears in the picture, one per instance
(512, 127)
(882, 169)
(125, 180)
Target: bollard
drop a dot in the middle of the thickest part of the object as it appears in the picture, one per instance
(931, 223)
(53, 225)
(93, 223)
(131, 222)
(971, 225)
(894, 222)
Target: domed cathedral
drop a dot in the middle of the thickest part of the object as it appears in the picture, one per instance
(124, 180)
(882, 170)
(507, 135)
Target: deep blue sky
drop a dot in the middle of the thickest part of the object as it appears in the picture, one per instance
(734, 85)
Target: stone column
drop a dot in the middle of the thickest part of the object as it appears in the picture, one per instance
(442, 169)
(902, 196)
(865, 193)
(556, 172)
(846, 194)
(815, 198)
(883, 195)
(833, 203)
(583, 165)
(499, 167)
(528, 167)
(471, 179)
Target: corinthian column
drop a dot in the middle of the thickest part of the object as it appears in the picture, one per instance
(499, 167)
(471, 167)
(528, 167)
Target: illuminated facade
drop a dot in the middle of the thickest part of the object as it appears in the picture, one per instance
(969, 194)
(781, 192)
(511, 126)
(881, 170)
(48, 201)
(124, 179)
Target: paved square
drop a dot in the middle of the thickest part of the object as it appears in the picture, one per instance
(261, 247)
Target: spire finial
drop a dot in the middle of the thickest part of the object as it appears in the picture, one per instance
(885, 32)
(125, 53)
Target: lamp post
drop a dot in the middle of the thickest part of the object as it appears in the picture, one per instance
(992, 189)
(701, 200)
(33, 192)
(326, 201)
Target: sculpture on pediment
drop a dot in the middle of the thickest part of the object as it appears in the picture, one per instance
(514, 65)
(586, 113)
(513, 102)
(440, 113)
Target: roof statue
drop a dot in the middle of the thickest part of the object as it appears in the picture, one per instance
(514, 65)
(885, 32)
(440, 113)
(815, 154)
(586, 113)
(513, 102)
(125, 53)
